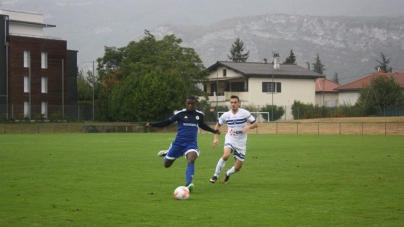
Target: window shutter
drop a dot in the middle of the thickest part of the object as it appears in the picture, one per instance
(278, 87)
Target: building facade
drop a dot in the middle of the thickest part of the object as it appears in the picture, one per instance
(38, 75)
(260, 84)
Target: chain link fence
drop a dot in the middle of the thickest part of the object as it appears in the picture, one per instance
(81, 113)
(320, 128)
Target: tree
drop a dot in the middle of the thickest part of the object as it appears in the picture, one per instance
(383, 64)
(318, 67)
(155, 77)
(84, 87)
(382, 92)
(291, 59)
(335, 78)
(236, 52)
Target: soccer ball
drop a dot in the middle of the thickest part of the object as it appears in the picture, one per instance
(181, 193)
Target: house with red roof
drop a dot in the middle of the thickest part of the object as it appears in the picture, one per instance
(326, 95)
(349, 93)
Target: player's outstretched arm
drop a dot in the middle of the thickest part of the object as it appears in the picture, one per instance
(159, 124)
(206, 127)
(250, 126)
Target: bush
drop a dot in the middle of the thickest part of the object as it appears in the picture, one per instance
(278, 112)
(308, 111)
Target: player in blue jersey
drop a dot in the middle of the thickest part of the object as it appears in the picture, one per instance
(185, 143)
(236, 137)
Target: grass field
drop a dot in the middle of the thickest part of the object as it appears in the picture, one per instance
(116, 179)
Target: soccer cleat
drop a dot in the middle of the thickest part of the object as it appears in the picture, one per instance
(162, 153)
(190, 187)
(225, 179)
(213, 179)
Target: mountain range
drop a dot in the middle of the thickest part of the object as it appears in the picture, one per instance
(348, 46)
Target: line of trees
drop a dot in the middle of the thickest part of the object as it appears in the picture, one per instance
(148, 79)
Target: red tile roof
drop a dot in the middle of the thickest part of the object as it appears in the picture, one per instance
(358, 84)
(325, 85)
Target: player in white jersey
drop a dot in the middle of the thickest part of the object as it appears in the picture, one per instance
(236, 138)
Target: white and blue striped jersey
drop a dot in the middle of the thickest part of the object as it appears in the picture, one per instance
(236, 122)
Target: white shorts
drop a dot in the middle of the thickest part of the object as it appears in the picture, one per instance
(238, 153)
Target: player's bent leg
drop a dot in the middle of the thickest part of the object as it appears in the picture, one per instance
(226, 152)
(168, 162)
(238, 164)
(191, 155)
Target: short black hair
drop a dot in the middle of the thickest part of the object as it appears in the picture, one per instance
(234, 97)
(191, 98)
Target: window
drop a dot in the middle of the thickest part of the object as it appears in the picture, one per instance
(26, 84)
(224, 72)
(235, 86)
(26, 58)
(271, 87)
(26, 109)
(44, 60)
(213, 87)
(44, 109)
(44, 85)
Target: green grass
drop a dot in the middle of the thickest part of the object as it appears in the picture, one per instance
(118, 180)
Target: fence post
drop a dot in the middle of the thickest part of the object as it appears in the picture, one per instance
(285, 113)
(276, 126)
(340, 128)
(318, 128)
(297, 128)
(362, 128)
(385, 128)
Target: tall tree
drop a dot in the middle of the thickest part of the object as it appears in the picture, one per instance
(382, 92)
(383, 64)
(318, 67)
(335, 78)
(155, 78)
(236, 52)
(291, 59)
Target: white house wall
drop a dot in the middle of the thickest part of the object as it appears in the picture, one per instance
(21, 29)
(25, 30)
(23, 16)
(291, 89)
(327, 99)
(218, 74)
(348, 97)
(302, 90)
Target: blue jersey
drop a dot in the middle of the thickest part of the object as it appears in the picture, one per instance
(188, 125)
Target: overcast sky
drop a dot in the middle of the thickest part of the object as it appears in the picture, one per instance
(117, 22)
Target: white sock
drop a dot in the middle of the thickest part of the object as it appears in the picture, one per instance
(220, 165)
(231, 171)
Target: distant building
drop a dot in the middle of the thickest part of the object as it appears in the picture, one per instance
(349, 93)
(38, 75)
(326, 95)
(261, 83)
